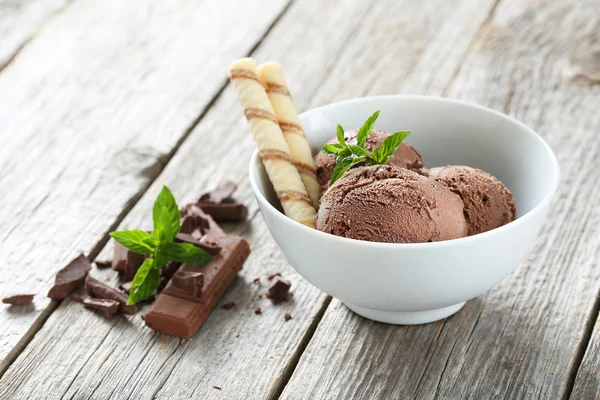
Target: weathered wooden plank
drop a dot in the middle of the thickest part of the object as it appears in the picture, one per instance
(120, 359)
(522, 339)
(90, 112)
(20, 20)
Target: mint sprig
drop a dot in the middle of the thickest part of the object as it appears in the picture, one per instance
(160, 245)
(348, 155)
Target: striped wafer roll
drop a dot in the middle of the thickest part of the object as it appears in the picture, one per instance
(272, 78)
(272, 147)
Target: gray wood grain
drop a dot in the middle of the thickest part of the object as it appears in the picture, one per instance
(522, 339)
(20, 21)
(90, 112)
(77, 354)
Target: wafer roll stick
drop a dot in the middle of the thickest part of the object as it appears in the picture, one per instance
(272, 147)
(272, 78)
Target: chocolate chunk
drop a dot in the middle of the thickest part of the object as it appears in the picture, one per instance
(105, 307)
(187, 238)
(191, 283)
(278, 290)
(192, 223)
(126, 261)
(125, 286)
(166, 273)
(228, 306)
(287, 316)
(219, 194)
(97, 289)
(273, 275)
(181, 315)
(193, 210)
(257, 311)
(70, 277)
(19, 299)
(225, 211)
(101, 264)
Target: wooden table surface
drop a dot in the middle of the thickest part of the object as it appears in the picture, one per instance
(104, 101)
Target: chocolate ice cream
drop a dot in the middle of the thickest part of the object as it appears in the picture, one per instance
(405, 157)
(384, 203)
(488, 204)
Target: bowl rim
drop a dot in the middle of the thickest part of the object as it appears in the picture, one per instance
(253, 172)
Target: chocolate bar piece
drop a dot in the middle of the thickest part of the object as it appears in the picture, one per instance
(105, 307)
(225, 211)
(219, 194)
(70, 277)
(97, 289)
(179, 314)
(166, 273)
(19, 299)
(191, 223)
(187, 238)
(126, 261)
(278, 290)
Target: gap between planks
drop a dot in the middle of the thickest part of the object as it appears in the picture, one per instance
(28, 40)
(153, 172)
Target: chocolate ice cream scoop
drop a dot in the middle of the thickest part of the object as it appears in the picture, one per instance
(405, 156)
(488, 203)
(384, 203)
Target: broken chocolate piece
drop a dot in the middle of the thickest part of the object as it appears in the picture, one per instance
(256, 280)
(212, 249)
(228, 305)
(193, 210)
(257, 311)
(70, 277)
(125, 286)
(225, 211)
(178, 314)
(19, 299)
(278, 290)
(192, 223)
(273, 275)
(97, 289)
(287, 316)
(101, 264)
(105, 307)
(77, 297)
(166, 273)
(190, 283)
(219, 194)
(126, 261)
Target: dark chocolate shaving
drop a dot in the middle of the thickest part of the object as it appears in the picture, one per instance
(257, 311)
(105, 307)
(189, 282)
(101, 264)
(228, 305)
(219, 194)
(19, 299)
(278, 290)
(212, 249)
(273, 275)
(287, 316)
(70, 277)
(97, 289)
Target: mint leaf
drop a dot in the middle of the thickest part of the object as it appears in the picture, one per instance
(144, 282)
(344, 164)
(187, 253)
(383, 153)
(358, 151)
(331, 149)
(363, 132)
(135, 240)
(340, 136)
(160, 256)
(166, 216)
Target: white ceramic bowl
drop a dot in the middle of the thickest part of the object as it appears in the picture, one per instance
(421, 282)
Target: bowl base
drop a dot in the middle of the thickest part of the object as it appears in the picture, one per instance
(406, 317)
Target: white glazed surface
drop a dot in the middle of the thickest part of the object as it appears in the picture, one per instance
(380, 279)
